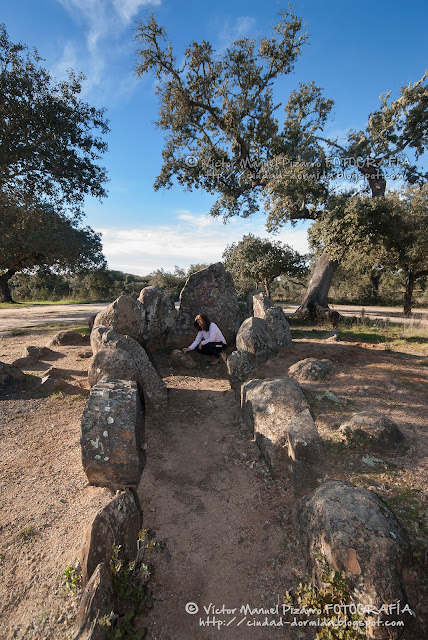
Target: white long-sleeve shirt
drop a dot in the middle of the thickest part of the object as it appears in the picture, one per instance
(212, 335)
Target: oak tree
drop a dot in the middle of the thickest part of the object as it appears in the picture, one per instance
(260, 261)
(224, 134)
(34, 234)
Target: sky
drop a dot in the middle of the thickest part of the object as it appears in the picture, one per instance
(356, 51)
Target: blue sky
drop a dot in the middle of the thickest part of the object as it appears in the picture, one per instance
(356, 51)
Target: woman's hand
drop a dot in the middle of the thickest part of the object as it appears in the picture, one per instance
(186, 349)
(200, 345)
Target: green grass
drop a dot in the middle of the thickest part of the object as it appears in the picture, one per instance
(27, 532)
(395, 337)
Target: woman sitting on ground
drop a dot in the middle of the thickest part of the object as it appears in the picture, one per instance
(210, 340)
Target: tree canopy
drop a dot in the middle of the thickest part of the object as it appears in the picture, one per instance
(220, 116)
(34, 234)
(261, 261)
(392, 230)
(49, 138)
(225, 133)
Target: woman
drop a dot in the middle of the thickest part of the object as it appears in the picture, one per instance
(210, 340)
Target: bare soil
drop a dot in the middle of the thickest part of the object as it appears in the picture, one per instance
(225, 524)
(20, 316)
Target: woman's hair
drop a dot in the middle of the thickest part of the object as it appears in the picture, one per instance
(202, 321)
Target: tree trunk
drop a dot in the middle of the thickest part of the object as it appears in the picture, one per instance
(319, 285)
(375, 276)
(267, 287)
(5, 295)
(408, 294)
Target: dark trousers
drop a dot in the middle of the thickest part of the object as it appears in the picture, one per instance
(211, 349)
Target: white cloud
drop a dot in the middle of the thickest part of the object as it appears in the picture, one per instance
(191, 239)
(103, 23)
(241, 27)
(128, 9)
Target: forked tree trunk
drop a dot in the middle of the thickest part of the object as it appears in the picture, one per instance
(319, 285)
(5, 295)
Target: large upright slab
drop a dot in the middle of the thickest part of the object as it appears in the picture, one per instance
(211, 291)
(278, 414)
(125, 315)
(112, 437)
(254, 338)
(160, 317)
(104, 339)
(275, 318)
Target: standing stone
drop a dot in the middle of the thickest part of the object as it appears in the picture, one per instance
(112, 438)
(306, 451)
(154, 388)
(250, 297)
(240, 367)
(278, 326)
(261, 304)
(117, 524)
(357, 533)
(209, 291)
(125, 315)
(160, 317)
(253, 337)
(98, 600)
(275, 318)
(279, 416)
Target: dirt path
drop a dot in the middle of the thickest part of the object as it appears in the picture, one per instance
(209, 497)
(20, 317)
(393, 314)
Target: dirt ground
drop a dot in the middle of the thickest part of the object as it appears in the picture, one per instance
(206, 493)
(20, 316)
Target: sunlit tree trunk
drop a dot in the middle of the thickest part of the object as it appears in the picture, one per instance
(319, 285)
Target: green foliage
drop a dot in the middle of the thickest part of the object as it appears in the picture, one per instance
(49, 148)
(72, 579)
(219, 109)
(27, 533)
(412, 509)
(383, 233)
(25, 243)
(172, 283)
(335, 590)
(130, 585)
(253, 261)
